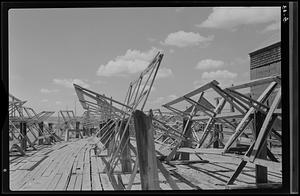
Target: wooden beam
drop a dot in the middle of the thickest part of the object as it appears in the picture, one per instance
(146, 151)
(195, 92)
(247, 118)
(211, 122)
(166, 174)
(23, 130)
(261, 172)
(125, 158)
(266, 127)
(187, 143)
(256, 82)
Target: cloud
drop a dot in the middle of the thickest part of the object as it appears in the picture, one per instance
(224, 77)
(68, 83)
(46, 91)
(164, 72)
(231, 17)
(132, 62)
(220, 74)
(209, 64)
(184, 39)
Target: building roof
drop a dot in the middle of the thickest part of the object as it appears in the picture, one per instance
(265, 48)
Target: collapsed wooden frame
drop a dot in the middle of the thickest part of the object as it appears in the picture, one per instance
(248, 110)
(24, 119)
(117, 118)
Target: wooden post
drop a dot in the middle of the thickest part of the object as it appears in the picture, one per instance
(67, 133)
(216, 135)
(125, 158)
(77, 129)
(146, 151)
(50, 126)
(23, 132)
(261, 172)
(66, 129)
(100, 127)
(40, 133)
(186, 143)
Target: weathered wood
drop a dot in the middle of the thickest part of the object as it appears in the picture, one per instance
(186, 143)
(67, 134)
(266, 127)
(247, 118)
(40, 133)
(187, 162)
(191, 94)
(146, 151)
(77, 129)
(125, 158)
(23, 131)
(211, 122)
(256, 186)
(261, 171)
(166, 174)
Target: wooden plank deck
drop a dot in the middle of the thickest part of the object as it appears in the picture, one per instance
(73, 165)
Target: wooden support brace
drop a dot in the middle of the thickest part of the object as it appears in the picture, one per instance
(125, 154)
(266, 127)
(211, 122)
(247, 118)
(41, 127)
(24, 133)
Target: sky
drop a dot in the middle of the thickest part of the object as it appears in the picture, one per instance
(104, 49)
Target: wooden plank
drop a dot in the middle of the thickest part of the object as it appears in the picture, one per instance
(256, 82)
(78, 184)
(125, 154)
(86, 183)
(106, 184)
(201, 150)
(57, 174)
(256, 186)
(66, 171)
(54, 182)
(96, 183)
(187, 162)
(146, 151)
(41, 182)
(71, 184)
(192, 177)
(166, 174)
(221, 116)
(38, 171)
(267, 163)
(100, 165)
